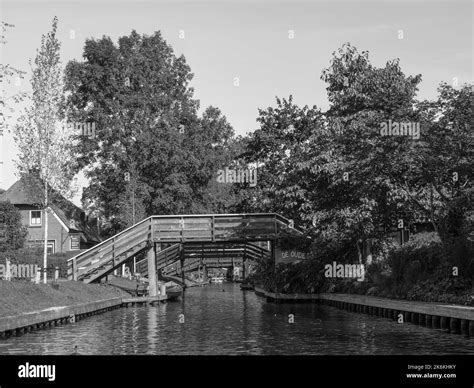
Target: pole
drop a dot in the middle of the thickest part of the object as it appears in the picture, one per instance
(133, 204)
(152, 271)
(45, 248)
(274, 265)
(181, 259)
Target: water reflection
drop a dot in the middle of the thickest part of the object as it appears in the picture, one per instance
(236, 322)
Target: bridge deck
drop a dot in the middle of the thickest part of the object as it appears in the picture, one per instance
(102, 259)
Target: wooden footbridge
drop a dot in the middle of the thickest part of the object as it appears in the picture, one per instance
(190, 240)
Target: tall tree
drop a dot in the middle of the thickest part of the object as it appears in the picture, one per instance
(7, 73)
(441, 184)
(277, 147)
(138, 93)
(363, 97)
(44, 159)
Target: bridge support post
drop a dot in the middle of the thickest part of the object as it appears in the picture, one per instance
(181, 259)
(273, 253)
(152, 281)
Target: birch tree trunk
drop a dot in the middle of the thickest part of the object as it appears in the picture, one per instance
(45, 252)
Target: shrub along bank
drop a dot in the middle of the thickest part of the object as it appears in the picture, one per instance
(420, 270)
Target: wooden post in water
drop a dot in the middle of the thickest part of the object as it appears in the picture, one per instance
(273, 253)
(181, 259)
(152, 281)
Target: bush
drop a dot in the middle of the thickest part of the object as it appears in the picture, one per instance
(12, 232)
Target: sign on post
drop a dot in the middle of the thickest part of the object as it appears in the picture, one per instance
(290, 256)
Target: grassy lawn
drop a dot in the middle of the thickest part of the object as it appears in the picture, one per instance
(17, 297)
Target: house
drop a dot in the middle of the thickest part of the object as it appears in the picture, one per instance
(68, 227)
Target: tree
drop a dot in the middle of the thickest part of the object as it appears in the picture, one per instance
(277, 147)
(364, 193)
(12, 231)
(441, 183)
(7, 72)
(44, 159)
(147, 126)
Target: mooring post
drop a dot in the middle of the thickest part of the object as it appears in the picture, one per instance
(152, 271)
(181, 259)
(273, 253)
(163, 289)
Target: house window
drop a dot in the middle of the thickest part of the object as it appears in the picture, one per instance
(51, 246)
(35, 218)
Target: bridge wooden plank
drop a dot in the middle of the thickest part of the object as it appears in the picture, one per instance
(98, 274)
(111, 254)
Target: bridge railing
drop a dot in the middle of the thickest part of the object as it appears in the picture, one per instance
(219, 227)
(162, 257)
(174, 229)
(109, 250)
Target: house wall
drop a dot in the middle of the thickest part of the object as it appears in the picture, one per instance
(56, 231)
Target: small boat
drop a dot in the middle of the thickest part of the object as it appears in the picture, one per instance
(174, 292)
(247, 286)
(217, 279)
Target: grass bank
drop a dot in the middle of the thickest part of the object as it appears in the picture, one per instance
(17, 297)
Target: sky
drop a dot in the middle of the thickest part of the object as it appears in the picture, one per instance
(274, 48)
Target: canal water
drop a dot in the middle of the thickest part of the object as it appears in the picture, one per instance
(222, 319)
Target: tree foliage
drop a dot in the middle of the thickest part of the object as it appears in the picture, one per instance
(12, 231)
(45, 162)
(339, 175)
(138, 94)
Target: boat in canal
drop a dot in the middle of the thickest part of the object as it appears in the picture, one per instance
(174, 293)
(247, 287)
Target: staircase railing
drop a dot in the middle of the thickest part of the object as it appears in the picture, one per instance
(110, 250)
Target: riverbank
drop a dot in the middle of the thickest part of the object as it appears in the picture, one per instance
(450, 318)
(28, 306)
(19, 297)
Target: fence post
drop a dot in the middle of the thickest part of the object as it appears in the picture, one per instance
(38, 275)
(74, 269)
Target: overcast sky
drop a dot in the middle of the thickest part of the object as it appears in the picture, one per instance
(251, 40)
